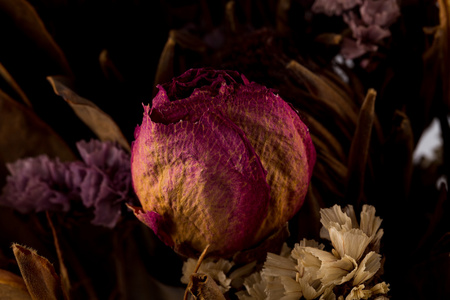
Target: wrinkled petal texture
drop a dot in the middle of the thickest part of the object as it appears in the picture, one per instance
(104, 180)
(101, 181)
(381, 12)
(226, 158)
(36, 184)
(204, 179)
(333, 7)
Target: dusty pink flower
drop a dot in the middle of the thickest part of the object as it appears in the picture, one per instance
(380, 12)
(219, 160)
(101, 181)
(37, 184)
(333, 7)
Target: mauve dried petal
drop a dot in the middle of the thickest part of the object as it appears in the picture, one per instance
(105, 179)
(102, 181)
(37, 184)
(333, 7)
(365, 33)
(380, 12)
(351, 49)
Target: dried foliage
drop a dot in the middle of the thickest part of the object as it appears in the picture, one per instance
(104, 59)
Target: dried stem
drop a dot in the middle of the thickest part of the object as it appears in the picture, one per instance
(200, 260)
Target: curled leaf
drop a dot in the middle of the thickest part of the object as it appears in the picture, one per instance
(38, 274)
(23, 133)
(96, 119)
(28, 21)
(359, 150)
(12, 286)
(14, 85)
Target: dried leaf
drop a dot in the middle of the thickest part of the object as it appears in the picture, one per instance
(437, 57)
(12, 287)
(26, 18)
(38, 274)
(282, 16)
(230, 14)
(10, 80)
(24, 134)
(359, 150)
(320, 134)
(322, 89)
(165, 71)
(329, 39)
(97, 120)
(109, 68)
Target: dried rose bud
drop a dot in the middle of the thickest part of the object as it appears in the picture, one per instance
(219, 160)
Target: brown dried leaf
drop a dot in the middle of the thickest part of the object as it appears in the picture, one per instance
(10, 80)
(96, 119)
(26, 18)
(230, 15)
(108, 67)
(282, 16)
(328, 38)
(322, 89)
(38, 274)
(437, 57)
(12, 287)
(24, 134)
(359, 150)
(165, 71)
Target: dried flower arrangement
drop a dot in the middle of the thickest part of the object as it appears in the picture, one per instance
(275, 138)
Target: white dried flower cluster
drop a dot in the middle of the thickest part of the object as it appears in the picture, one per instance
(309, 272)
(216, 270)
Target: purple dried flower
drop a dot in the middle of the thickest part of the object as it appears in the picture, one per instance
(366, 37)
(104, 179)
(101, 181)
(379, 12)
(333, 7)
(37, 184)
(219, 160)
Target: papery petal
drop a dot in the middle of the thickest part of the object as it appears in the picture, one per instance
(36, 184)
(311, 259)
(311, 288)
(369, 223)
(337, 272)
(276, 266)
(156, 223)
(274, 288)
(255, 286)
(380, 288)
(293, 289)
(203, 178)
(215, 269)
(358, 292)
(334, 216)
(368, 267)
(282, 143)
(351, 243)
